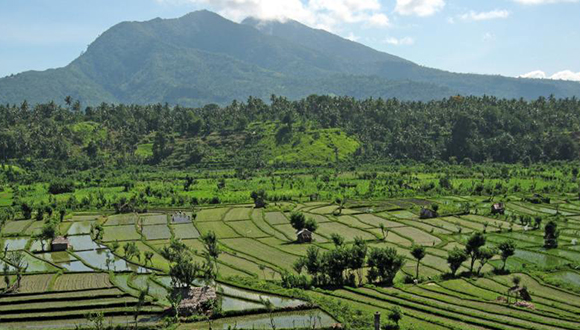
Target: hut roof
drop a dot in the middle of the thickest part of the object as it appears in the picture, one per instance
(195, 298)
(60, 240)
(303, 231)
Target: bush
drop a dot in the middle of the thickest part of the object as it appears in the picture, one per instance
(61, 187)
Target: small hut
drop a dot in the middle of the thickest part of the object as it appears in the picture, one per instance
(304, 236)
(197, 300)
(60, 244)
(427, 213)
(498, 208)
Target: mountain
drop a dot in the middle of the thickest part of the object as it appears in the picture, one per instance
(204, 58)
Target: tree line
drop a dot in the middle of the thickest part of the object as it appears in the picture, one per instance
(456, 129)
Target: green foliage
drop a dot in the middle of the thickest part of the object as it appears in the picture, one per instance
(551, 235)
(61, 187)
(418, 252)
(384, 265)
(326, 131)
(297, 220)
(455, 258)
(472, 248)
(259, 198)
(507, 249)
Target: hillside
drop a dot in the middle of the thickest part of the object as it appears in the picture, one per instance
(204, 58)
(264, 143)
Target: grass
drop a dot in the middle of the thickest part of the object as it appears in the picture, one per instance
(216, 214)
(35, 283)
(219, 228)
(417, 236)
(16, 227)
(349, 233)
(121, 219)
(247, 229)
(275, 218)
(144, 150)
(185, 231)
(73, 282)
(312, 147)
(121, 233)
(260, 251)
(153, 219)
(239, 213)
(374, 221)
(156, 232)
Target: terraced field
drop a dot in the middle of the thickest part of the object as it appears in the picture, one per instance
(59, 288)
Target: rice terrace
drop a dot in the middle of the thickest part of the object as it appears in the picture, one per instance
(410, 255)
(289, 165)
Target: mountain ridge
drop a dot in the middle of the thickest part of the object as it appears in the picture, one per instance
(203, 58)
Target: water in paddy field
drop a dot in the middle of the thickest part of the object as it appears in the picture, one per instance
(235, 304)
(14, 244)
(97, 259)
(81, 227)
(83, 243)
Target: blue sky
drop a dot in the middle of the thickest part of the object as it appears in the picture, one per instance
(507, 37)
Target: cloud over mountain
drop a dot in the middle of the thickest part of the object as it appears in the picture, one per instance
(325, 14)
(562, 75)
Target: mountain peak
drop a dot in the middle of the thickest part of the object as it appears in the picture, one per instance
(202, 13)
(203, 58)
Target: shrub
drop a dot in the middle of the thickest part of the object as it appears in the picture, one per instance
(61, 187)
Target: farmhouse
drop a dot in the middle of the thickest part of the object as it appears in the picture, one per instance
(197, 300)
(498, 208)
(304, 236)
(427, 213)
(60, 244)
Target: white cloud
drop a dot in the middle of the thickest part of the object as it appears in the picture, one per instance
(484, 16)
(325, 14)
(378, 20)
(542, 2)
(562, 75)
(419, 7)
(488, 36)
(538, 74)
(405, 41)
(566, 75)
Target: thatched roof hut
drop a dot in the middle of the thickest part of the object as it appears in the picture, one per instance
(498, 208)
(60, 243)
(197, 300)
(304, 236)
(427, 213)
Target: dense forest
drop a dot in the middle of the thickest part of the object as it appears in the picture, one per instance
(457, 129)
